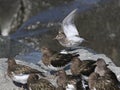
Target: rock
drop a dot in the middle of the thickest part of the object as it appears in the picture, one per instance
(84, 55)
(5, 82)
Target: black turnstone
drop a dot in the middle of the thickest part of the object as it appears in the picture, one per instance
(69, 35)
(20, 73)
(85, 67)
(70, 82)
(97, 82)
(36, 83)
(56, 60)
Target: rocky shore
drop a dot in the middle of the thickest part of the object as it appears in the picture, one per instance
(7, 84)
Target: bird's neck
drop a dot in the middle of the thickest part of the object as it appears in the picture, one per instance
(11, 64)
(77, 64)
(100, 70)
(48, 53)
(46, 59)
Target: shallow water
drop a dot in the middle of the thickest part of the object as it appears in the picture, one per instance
(98, 22)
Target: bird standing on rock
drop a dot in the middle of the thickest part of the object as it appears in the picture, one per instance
(103, 78)
(97, 82)
(56, 60)
(69, 35)
(103, 70)
(20, 73)
(70, 82)
(85, 67)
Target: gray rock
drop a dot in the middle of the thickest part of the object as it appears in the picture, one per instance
(84, 55)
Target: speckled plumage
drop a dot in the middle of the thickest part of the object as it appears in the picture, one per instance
(85, 67)
(65, 80)
(69, 36)
(36, 83)
(56, 60)
(103, 70)
(103, 78)
(19, 73)
(97, 82)
(60, 88)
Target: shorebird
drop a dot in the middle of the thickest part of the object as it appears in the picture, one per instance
(36, 83)
(97, 82)
(103, 78)
(55, 60)
(20, 73)
(70, 82)
(69, 35)
(103, 70)
(85, 67)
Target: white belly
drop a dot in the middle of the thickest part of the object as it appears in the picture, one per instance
(20, 78)
(70, 87)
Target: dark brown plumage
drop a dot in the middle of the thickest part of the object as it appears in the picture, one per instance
(60, 88)
(97, 82)
(56, 60)
(85, 67)
(36, 83)
(102, 70)
(65, 80)
(103, 78)
(19, 73)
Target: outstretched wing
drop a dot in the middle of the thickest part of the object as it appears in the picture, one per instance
(68, 25)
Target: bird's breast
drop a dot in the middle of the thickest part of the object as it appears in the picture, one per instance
(20, 78)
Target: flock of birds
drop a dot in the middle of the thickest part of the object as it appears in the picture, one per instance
(84, 74)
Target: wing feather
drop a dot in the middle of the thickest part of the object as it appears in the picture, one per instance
(68, 25)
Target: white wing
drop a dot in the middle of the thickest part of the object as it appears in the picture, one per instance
(68, 25)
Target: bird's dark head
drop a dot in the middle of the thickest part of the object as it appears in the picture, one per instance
(45, 49)
(100, 62)
(76, 60)
(11, 61)
(60, 35)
